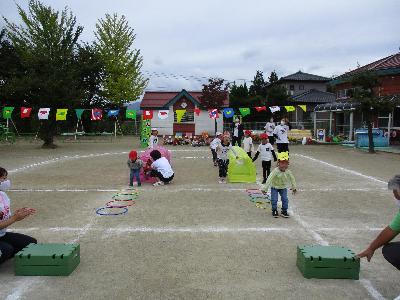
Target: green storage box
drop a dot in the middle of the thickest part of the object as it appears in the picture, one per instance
(327, 262)
(47, 260)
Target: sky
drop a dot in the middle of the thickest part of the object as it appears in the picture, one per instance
(195, 40)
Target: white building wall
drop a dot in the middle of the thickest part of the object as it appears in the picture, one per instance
(165, 127)
(205, 124)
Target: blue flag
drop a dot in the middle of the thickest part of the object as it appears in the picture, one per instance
(113, 113)
(228, 112)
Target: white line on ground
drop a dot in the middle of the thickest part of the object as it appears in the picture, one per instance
(371, 290)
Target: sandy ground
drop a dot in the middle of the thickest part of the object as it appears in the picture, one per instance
(195, 238)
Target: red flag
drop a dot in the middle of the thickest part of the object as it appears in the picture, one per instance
(197, 111)
(97, 114)
(147, 114)
(25, 112)
(213, 113)
(260, 108)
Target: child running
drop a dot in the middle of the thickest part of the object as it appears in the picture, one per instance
(248, 143)
(11, 242)
(153, 140)
(278, 181)
(134, 164)
(223, 160)
(213, 146)
(267, 152)
(161, 169)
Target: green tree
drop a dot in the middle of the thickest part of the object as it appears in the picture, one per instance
(123, 80)
(238, 95)
(273, 78)
(258, 86)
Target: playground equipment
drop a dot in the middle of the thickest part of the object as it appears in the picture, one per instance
(241, 169)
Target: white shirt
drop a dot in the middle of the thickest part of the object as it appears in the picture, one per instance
(269, 128)
(282, 132)
(5, 210)
(265, 151)
(214, 144)
(236, 130)
(162, 165)
(248, 144)
(153, 141)
(222, 151)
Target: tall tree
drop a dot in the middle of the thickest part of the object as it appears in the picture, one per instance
(238, 95)
(258, 86)
(273, 78)
(123, 80)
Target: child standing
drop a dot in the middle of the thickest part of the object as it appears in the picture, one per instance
(153, 140)
(161, 168)
(11, 242)
(213, 146)
(269, 130)
(134, 164)
(267, 152)
(278, 181)
(223, 161)
(248, 143)
(281, 134)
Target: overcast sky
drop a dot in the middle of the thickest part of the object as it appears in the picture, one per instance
(232, 39)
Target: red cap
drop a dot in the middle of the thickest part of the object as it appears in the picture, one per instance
(133, 155)
(247, 132)
(263, 136)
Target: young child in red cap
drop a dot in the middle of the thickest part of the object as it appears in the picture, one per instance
(266, 150)
(134, 164)
(248, 143)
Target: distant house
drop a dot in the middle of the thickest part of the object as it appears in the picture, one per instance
(301, 82)
(191, 123)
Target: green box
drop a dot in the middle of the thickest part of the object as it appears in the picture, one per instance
(47, 259)
(328, 262)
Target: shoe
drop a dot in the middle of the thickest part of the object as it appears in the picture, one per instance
(284, 214)
(224, 180)
(158, 183)
(264, 181)
(221, 180)
(275, 214)
(215, 164)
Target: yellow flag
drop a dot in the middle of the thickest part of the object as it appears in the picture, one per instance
(290, 108)
(179, 114)
(61, 114)
(303, 107)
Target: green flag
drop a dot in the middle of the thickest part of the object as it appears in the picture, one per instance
(7, 111)
(130, 114)
(79, 112)
(244, 111)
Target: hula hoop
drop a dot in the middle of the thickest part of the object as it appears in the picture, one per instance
(118, 196)
(130, 192)
(110, 205)
(98, 212)
(258, 196)
(260, 203)
(254, 191)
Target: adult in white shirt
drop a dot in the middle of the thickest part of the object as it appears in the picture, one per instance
(281, 135)
(237, 133)
(161, 168)
(269, 130)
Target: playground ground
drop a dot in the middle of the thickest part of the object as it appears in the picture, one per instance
(195, 238)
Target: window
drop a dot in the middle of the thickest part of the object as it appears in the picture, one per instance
(188, 117)
(291, 87)
(301, 87)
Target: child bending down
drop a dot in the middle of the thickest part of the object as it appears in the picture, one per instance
(266, 150)
(134, 164)
(11, 242)
(279, 180)
(161, 169)
(223, 161)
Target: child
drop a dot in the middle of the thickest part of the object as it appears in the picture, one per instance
(222, 154)
(161, 169)
(134, 164)
(278, 181)
(281, 135)
(11, 242)
(213, 146)
(269, 130)
(267, 152)
(153, 140)
(248, 143)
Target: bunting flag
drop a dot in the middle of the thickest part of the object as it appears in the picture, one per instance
(228, 112)
(97, 114)
(197, 111)
(79, 112)
(179, 114)
(7, 111)
(290, 108)
(244, 111)
(147, 114)
(61, 114)
(213, 113)
(43, 113)
(130, 114)
(25, 112)
(113, 113)
(303, 107)
(260, 108)
(274, 109)
(163, 114)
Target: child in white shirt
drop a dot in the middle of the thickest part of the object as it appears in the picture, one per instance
(223, 160)
(248, 143)
(281, 134)
(213, 146)
(266, 150)
(153, 140)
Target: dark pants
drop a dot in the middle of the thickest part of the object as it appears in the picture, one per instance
(214, 155)
(391, 252)
(12, 242)
(237, 140)
(135, 173)
(155, 173)
(282, 147)
(223, 167)
(266, 166)
(271, 139)
(249, 154)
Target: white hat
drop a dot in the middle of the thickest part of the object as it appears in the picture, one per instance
(218, 133)
(154, 129)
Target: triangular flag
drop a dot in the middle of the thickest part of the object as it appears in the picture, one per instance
(274, 109)
(179, 114)
(97, 114)
(79, 112)
(113, 113)
(25, 112)
(197, 111)
(244, 111)
(303, 107)
(163, 114)
(290, 108)
(260, 108)
(228, 112)
(7, 111)
(147, 114)
(213, 113)
(61, 114)
(130, 114)
(43, 113)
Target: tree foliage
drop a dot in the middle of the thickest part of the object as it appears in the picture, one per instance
(214, 93)
(273, 78)
(258, 86)
(238, 95)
